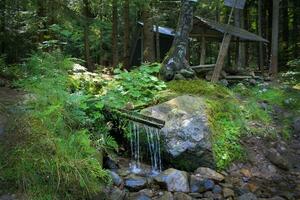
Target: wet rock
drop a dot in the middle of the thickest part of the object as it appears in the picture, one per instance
(117, 180)
(135, 183)
(296, 125)
(228, 192)
(207, 173)
(274, 157)
(186, 135)
(173, 180)
(208, 194)
(147, 192)
(247, 196)
(181, 196)
(217, 189)
(209, 184)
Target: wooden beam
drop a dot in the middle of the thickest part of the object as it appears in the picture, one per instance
(221, 58)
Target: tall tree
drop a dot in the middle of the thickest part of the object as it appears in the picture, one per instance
(2, 26)
(114, 36)
(148, 34)
(176, 60)
(259, 27)
(240, 22)
(275, 33)
(88, 15)
(126, 35)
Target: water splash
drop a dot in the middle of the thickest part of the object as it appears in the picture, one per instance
(153, 141)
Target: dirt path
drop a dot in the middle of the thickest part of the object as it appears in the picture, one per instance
(8, 100)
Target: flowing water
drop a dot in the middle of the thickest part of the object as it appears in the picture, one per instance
(153, 140)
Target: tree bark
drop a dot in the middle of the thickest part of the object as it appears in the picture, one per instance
(203, 50)
(115, 56)
(296, 31)
(88, 14)
(176, 60)
(148, 47)
(2, 26)
(126, 35)
(275, 33)
(259, 24)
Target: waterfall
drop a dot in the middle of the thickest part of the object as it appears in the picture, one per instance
(153, 140)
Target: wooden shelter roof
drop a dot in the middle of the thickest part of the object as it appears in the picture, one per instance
(213, 29)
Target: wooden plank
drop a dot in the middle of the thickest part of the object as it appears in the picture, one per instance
(221, 58)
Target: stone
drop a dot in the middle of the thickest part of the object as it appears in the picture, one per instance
(2, 83)
(196, 184)
(173, 180)
(138, 196)
(208, 194)
(117, 180)
(209, 184)
(247, 196)
(181, 196)
(8, 197)
(217, 189)
(275, 158)
(246, 173)
(110, 164)
(224, 82)
(228, 193)
(166, 196)
(207, 173)
(113, 194)
(147, 192)
(186, 134)
(196, 195)
(135, 183)
(296, 125)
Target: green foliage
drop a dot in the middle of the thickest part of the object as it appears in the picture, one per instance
(137, 87)
(51, 154)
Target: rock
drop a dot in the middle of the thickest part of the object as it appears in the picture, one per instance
(228, 192)
(166, 196)
(179, 77)
(186, 134)
(274, 157)
(117, 180)
(112, 194)
(196, 195)
(209, 184)
(247, 196)
(208, 194)
(78, 68)
(8, 197)
(181, 196)
(252, 82)
(138, 196)
(147, 192)
(174, 180)
(296, 125)
(135, 183)
(224, 82)
(196, 184)
(217, 189)
(207, 173)
(110, 164)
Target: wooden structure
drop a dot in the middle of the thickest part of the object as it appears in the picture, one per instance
(204, 30)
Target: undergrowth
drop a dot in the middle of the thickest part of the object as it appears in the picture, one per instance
(50, 153)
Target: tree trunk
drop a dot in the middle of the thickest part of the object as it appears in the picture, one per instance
(87, 14)
(296, 31)
(148, 47)
(41, 13)
(176, 60)
(2, 26)
(242, 48)
(126, 35)
(203, 50)
(115, 56)
(275, 32)
(259, 24)
(157, 43)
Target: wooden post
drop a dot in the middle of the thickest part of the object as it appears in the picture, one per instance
(203, 50)
(157, 43)
(221, 58)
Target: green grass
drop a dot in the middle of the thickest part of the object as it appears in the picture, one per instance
(49, 152)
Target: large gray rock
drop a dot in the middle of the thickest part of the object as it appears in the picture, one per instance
(207, 173)
(296, 125)
(186, 135)
(173, 180)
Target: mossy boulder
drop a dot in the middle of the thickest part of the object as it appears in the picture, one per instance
(186, 136)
